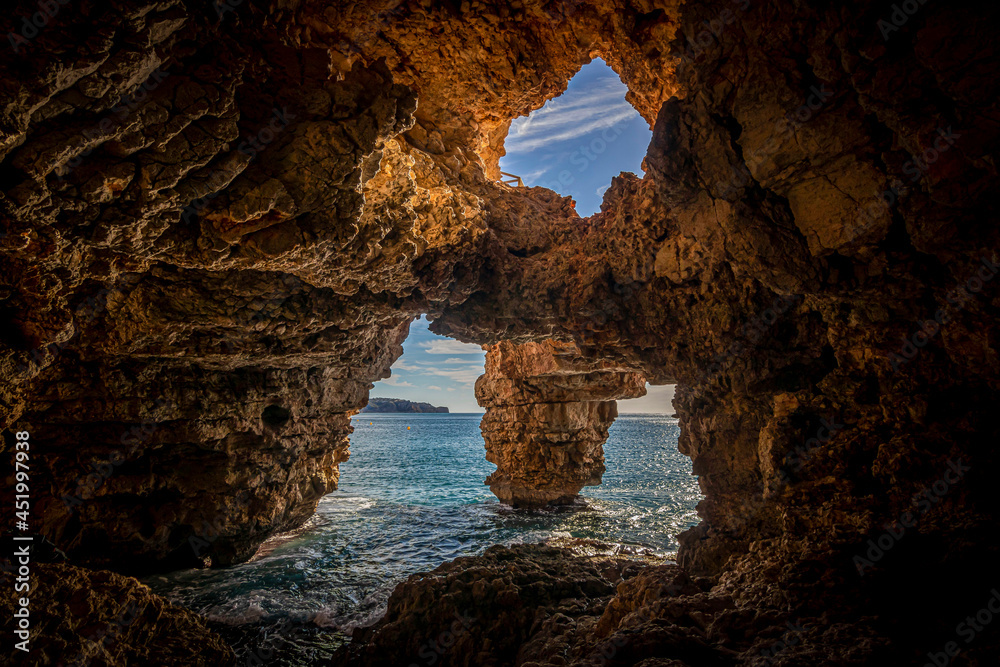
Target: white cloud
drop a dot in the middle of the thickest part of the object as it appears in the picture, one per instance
(658, 400)
(396, 382)
(451, 389)
(434, 387)
(563, 119)
(603, 94)
(571, 128)
(467, 375)
(450, 346)
(534, 174)
(401, 365)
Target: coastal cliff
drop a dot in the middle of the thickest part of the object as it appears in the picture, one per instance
(400, 405)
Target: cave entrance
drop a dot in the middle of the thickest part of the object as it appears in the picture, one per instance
(434, 369)
(577, 142)
(403, 449)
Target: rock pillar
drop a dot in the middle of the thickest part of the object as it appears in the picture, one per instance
(547, 416)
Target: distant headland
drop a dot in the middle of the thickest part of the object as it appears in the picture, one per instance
(399, 405)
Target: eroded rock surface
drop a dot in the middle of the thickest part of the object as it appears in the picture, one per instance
(535, 605)
(95, 617)
(217, 226)
(547, 416)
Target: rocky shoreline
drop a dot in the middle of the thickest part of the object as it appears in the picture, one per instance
(534, 605)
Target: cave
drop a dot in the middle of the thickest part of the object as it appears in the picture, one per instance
(220, 219)
(274, 416)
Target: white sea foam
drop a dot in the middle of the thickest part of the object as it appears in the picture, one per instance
(332, 618)
(251, 613)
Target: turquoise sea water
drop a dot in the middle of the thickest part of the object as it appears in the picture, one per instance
(409, 500)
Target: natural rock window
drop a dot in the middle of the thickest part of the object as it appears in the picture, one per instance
(194, 312)
(434, 371)
(579, 141)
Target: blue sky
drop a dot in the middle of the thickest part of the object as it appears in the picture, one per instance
(443, 371)
(578, 141)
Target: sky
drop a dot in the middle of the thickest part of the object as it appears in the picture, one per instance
(442, 371)
(578, 141)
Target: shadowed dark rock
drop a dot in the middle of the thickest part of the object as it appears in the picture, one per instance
(217, 225)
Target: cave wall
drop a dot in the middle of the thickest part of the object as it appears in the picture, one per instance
(811, 256)
(215, 267)
(218, 223)
(173, 222)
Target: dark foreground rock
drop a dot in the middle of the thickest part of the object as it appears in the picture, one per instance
(99, 618)
(534, 605)
(481, 610)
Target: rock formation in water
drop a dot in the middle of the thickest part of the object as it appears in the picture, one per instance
(400, 405)
(219, 219)
(548, 410)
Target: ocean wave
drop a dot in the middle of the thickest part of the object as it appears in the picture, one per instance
(252, 613)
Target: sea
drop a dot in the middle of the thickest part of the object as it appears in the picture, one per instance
(412, 497)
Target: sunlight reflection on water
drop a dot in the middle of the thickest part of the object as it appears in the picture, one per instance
(413, 499)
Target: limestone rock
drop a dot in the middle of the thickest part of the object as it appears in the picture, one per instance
(216, 229)
(547, 419)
